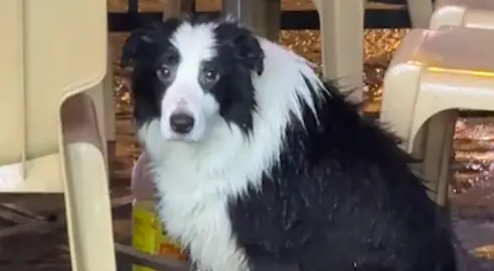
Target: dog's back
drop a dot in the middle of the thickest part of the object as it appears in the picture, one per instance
(343, 198)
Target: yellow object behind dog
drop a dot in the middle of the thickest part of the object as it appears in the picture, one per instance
(147, 233)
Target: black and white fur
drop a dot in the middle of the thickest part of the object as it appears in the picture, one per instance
(279, 171)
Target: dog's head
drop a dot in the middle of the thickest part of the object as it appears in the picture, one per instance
(189, 74)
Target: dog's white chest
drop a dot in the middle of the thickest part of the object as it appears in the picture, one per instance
(200, 221)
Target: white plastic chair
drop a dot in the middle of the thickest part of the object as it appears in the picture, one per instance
(435, 150)
(466, 13)
(53, 53)
(432, 76)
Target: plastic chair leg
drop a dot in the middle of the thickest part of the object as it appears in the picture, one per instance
(108, 100)
(88, 210)
(420, 12)
(342, 34)
(103, 99)
(262, 16)
(176, 7)
(438, 153)
(109, 114)
(87, 201)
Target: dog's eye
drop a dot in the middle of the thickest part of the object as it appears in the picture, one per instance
(211, 75)
(164, 73)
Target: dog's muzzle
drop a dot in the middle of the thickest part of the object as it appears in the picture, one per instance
(183, 119)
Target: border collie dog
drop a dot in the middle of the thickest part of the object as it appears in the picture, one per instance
(259, 165)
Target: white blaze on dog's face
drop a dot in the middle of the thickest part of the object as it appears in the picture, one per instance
(190, 76)
(187, 106)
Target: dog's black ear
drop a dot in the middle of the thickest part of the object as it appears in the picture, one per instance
(134, 46)
(244, 43)
(249, 50)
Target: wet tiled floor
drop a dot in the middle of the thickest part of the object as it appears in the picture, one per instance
(473, 205)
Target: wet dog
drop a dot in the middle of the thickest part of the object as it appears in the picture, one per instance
(260, 165)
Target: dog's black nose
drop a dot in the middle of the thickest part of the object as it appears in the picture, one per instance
(181, 123)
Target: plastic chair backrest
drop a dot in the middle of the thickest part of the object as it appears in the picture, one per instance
(464, 50)
(50, 50)
(471, 4)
